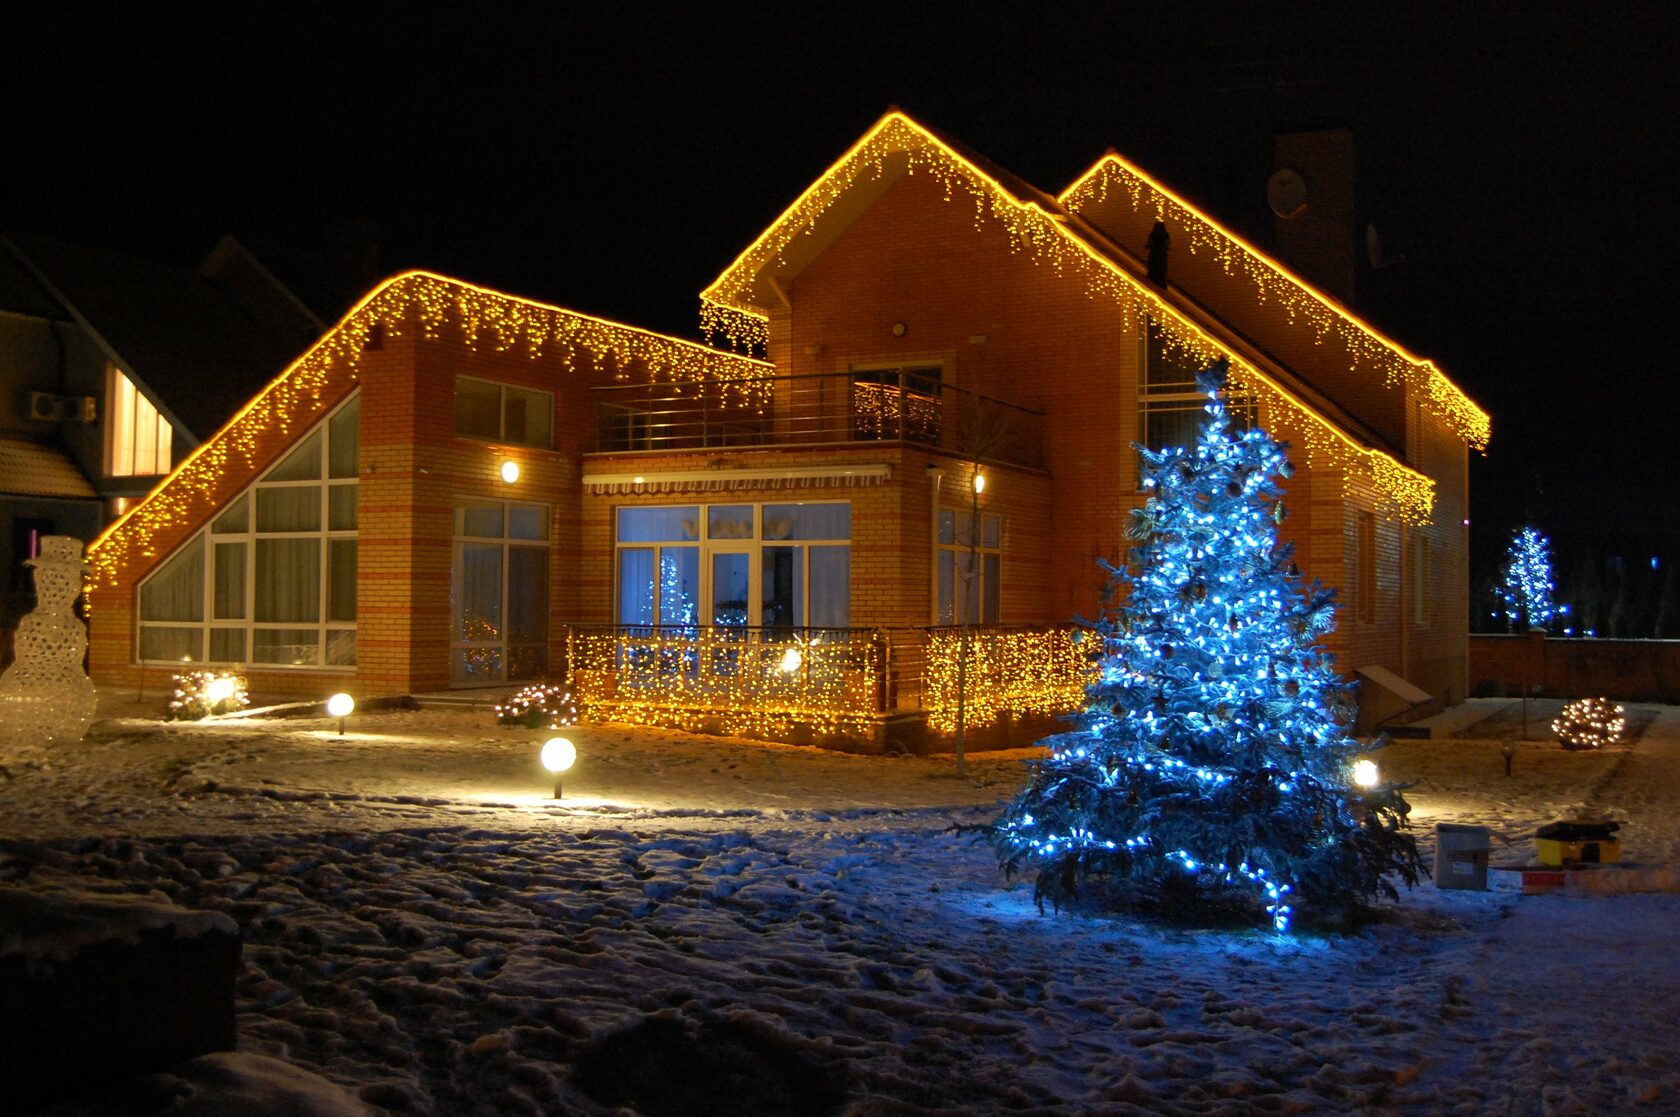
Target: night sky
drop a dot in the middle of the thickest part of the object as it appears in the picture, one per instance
(1520, 161)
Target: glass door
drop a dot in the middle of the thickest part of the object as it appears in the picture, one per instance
(499, 593)
(729, 607)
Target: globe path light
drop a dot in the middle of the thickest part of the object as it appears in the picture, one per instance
(340, 706)
(558, 755)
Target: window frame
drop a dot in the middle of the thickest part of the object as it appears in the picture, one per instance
(959, 550)
(1176, 396)
(208, 539)
(707, 545)
(125, 406)
(502, 387)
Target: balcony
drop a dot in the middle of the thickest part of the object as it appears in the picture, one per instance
(893, 406)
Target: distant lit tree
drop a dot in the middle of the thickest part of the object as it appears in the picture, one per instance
(1525, 584)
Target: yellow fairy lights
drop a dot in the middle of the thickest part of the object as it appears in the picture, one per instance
(1041, 672)
(319, 378)
(726, 679)
(728, 306)
(1274, 283)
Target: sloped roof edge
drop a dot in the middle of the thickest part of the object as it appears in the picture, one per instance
(1050, 235)
(295, 397)
(1320, 310)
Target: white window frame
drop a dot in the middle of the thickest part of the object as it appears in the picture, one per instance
(207, 539)
(752, 545)
(507, 542)
(959, 553)
(128, 413)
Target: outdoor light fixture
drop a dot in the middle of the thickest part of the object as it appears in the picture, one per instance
(340, 706)
(1365, 774)
(979, 483)
(792, 660)
(558, 754)
(220, 689)
(510, 471)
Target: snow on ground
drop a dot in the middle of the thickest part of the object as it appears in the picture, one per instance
(780, 930)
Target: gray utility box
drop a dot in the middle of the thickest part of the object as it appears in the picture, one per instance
(1461, 856)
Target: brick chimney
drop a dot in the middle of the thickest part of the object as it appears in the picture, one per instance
(1311, 197)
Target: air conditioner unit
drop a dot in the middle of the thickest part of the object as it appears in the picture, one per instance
(62, 409)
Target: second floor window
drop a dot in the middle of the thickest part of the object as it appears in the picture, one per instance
(503, 412)
(138, 439)
(1170, 406)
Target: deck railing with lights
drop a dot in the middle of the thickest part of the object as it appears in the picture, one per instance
(823, 409)
(767, 681)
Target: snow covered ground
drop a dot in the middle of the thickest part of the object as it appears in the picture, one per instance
(778, 930)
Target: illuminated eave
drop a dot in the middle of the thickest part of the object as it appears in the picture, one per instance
(1274, 282)
(727, 309)
(299, 394)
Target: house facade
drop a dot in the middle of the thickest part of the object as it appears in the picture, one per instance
(908, 464)
(111, 371)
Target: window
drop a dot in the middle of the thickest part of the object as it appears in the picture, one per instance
(1364, 567)
(896, 403)
(774, 565)
(273, 578)
(1170, 406)
(138, 439)
(503, 413)
(499, 592)
(967, 569)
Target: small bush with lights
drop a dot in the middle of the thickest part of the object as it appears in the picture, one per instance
(1590, 723)
(1211, 776)
(202, 694)
(539, 706)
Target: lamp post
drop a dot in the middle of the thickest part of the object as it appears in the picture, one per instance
(979, 487)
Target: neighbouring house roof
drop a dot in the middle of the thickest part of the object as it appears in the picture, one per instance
(198, 343)
(22, 293)
(737, 303)
(33, 469)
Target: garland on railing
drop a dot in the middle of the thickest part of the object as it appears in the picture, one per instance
(692, 678)
(1043, 672)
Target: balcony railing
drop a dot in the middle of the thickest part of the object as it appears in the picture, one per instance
(764, 681)
(822, 409)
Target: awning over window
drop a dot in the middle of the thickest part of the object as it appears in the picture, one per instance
(30, 469)
(723, 480)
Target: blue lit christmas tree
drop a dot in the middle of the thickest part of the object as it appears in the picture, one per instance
(1212, 773)
(1525, 583)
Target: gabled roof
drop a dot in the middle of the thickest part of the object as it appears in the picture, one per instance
(1317, 313)
(737, 303)
(196, 343)
(324, 374)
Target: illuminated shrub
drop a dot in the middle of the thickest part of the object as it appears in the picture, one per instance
(538, 706)
(1590, 723)
(201, 694)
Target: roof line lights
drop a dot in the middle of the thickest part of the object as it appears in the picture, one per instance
(1275, 281)
(726, 306)
(294, 397)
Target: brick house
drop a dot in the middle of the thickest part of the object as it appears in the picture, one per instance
(457, 487)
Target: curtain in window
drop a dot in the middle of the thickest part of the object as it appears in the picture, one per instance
(635, 586)
(478, 592)
(288, 581)
(831, 587)
(176, 592)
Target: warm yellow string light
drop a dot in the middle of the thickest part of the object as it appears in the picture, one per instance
(727, 306)
(1032, 672)
(706, 677)
(1275, 283)
(316, 380)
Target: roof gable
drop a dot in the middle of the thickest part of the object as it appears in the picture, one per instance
(1115, 180)
(736, 304)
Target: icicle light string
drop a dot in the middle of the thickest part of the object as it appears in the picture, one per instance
(728, 310)
(429, 303)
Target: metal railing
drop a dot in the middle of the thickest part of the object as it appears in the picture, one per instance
(820, 409)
